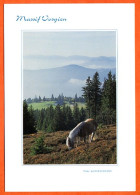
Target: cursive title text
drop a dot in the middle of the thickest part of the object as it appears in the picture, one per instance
(38, 19)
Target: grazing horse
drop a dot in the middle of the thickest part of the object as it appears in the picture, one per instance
(83, 129)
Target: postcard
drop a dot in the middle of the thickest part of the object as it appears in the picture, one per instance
(69, 97)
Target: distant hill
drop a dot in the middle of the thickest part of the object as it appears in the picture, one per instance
(68, 80)
(44, 61)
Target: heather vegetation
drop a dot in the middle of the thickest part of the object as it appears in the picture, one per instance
(50, 148)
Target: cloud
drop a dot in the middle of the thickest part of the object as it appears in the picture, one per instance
(77, 82)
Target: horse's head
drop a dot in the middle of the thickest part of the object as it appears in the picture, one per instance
(69, 143)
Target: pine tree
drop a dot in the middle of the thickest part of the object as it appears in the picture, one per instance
(58, 119)
(64, 113)
(76, 114)
(28, 119)
(92, 95)
(87, 94)
(44, 125)
(36, 114)
(82, 114)
(50, 113)
(114, 92)
(29, 100)
(44, 99)
(41, 119)
(25, 118)
(35, 99)
(60, 100)
(95, 95)
(50, 119)
(69, 118)
(32, 121)
(39, 99)
(76, 99)
(109, 91)
(52, 98)
(109, 99)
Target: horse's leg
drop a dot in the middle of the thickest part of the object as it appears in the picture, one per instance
(79, 139)
(89, 138)
(92, 135)
(77, 142)
(85, 139)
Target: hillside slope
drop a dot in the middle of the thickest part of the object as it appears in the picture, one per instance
(100, 151)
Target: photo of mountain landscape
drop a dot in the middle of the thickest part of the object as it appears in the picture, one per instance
(69, 77)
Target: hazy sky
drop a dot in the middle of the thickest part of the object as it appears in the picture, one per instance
(37, 46)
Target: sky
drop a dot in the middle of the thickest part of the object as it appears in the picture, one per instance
(42, 50)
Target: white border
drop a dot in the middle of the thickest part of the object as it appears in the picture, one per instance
(70, 178)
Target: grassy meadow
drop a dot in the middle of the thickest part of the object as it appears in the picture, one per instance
(100, 151)
(46, 104)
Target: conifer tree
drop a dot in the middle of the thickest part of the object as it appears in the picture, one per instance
(109, 99)
(58, 119)
(39, 99)
(95, 95)
(52, 98)
(50, 119)
(50, 113)
(87, 94)
(92, 95)
(69, 118)
(76, 98)
(40, 119)
(44, 99)
(28, 119)
(44, 124)
(114, 92)
(82, 114)
(76, 114)
(64, 113)
(25, 118)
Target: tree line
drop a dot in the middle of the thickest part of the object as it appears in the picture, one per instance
(61, 99)
(51, 119)
(100, 99)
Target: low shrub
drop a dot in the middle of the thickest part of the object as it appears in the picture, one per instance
(39, 147)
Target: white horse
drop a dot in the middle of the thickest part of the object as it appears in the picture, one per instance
(83, 129)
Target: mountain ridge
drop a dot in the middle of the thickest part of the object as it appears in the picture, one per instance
(68, 80)
(68, 66)
(45, 61)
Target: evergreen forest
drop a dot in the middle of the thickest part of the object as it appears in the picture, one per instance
(100, 104)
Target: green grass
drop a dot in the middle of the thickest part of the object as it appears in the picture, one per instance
(80, 105)
(46, 104)
(41, 105)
